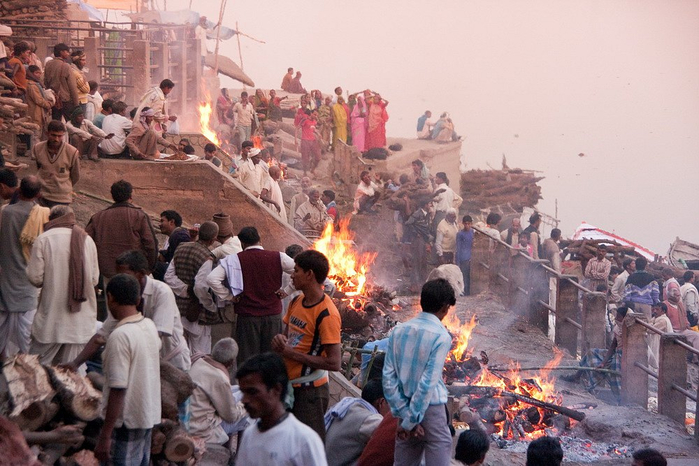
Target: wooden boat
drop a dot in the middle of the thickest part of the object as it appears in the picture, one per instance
(683, 251)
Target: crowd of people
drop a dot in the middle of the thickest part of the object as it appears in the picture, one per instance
(440, 131)
(285, 326)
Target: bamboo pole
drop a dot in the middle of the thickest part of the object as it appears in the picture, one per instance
(559, 368)
(218, 35)
(240, 51)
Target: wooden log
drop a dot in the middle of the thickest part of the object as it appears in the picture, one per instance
(179, 446)
(27, 382)
(36, 415)
(179, 379)
(157, 443)
(76, 393)
(459, 390)
(83, 458)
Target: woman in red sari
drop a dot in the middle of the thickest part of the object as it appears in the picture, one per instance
(377, 118)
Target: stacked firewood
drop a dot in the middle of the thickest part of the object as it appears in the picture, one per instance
(43, 399)
(32, 9)
(485, 189)
(13, 117)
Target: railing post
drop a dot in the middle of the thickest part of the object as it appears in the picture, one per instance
(696, 420)
(140, 60)
(480, 254)
(634, 381)
(566, 308)
(519, 278)
(538, 315)
(672, 369)
(92, 54)
(593, 321)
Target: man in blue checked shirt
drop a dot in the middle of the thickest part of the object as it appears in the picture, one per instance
(412, 380)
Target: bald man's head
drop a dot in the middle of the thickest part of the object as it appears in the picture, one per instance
(29, 188)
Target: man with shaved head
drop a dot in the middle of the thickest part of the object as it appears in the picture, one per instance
(18, 297)
(272, 193)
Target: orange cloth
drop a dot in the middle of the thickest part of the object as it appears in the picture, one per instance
(310, 328)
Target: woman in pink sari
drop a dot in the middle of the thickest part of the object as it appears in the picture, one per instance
(376, 129)
(358, 119)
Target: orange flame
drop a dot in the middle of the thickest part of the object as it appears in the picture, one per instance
(348, 268)
(205, 110)
(462, 333)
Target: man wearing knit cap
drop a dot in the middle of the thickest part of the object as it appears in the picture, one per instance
(180, 275)
(249, 173)
(229, 244)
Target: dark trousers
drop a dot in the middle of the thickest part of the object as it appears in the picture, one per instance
(254, 334)
(310, 404)
(46, 203)
(465, 267)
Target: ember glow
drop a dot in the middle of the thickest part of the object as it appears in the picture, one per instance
(205, 110)
(348, 268)
(515, 419)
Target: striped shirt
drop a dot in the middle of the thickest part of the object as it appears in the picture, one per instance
(412, 374)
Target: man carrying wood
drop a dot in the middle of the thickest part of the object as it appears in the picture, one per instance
(131, 394)
(412, 380)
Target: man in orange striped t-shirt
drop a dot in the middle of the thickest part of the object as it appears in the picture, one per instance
(310, 344)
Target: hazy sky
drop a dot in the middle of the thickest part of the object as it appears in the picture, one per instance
(540, 81)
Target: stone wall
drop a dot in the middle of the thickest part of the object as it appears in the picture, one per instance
(197, 190)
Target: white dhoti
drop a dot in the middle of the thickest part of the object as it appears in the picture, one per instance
(15, 331)
(198, 337)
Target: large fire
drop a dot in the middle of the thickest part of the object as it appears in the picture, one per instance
(516, 415)
(205, 110)
(348, 268)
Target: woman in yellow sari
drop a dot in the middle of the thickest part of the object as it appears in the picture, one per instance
(340, 118)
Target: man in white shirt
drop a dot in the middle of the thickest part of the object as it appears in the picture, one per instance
(690, 297)
(445, 241)
(63, 275)
(272, 193)
(445, 200)
(155, 99)
(131, 394)
(277, 437)
(248, 173)
(118, 125)
(616, 296)
(244, 114)
(200, 32)
(157, 303)
(84, 135)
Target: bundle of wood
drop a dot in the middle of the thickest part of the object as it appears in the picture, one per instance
(485, 189)
(587, 249)
(13, 117)
(32, 9)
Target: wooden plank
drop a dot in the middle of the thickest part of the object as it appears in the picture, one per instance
(672, 369)
(566, 307)
(634, 381)
(593, 321)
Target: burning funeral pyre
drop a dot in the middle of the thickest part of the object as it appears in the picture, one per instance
(364, 307)
(506, 404)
